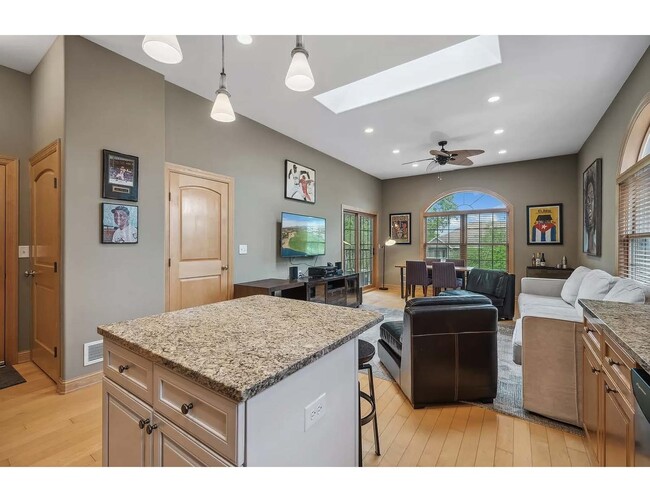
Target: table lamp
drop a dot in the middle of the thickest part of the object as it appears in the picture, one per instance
(389, 242)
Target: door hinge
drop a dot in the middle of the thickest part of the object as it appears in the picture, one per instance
(55, 351)
(170, 196)
(169, 262)
(55, 183)
(56, 267)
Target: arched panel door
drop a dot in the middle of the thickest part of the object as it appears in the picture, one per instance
(198, 241)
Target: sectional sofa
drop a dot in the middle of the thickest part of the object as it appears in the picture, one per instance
(547, 339)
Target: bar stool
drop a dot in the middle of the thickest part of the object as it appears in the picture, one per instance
(366, 353)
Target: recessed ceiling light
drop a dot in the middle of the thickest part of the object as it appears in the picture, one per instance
(498, 131)
(415, 164)
(245, 39)
(493, 99)
(396, 150)
(501, 152)
(368, 130)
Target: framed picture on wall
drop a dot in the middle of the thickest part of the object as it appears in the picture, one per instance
(119, 224)
(120, 179)
(592, 190)
(299, 182)
(544, 224)
(400, 228)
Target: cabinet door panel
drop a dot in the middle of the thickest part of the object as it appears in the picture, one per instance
(125, 444)
(590, 399)
(618, 430)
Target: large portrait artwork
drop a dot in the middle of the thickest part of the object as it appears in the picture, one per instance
(592, 208)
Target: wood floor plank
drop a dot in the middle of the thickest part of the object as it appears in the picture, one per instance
(502, 458)
(558, 449)
(471, 437)
(4, 462)
(505, 433)
(393, 454)
(540, 453)
(522, 454)
(460, 418)
(578, 458)
(488, 441)
(574, 442)
(450, 449)
(386, 439)
(437, 438)
(415, 448)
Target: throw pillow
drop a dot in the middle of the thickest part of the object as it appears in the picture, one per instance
(572, 285)
(595, 286)
(627, 291)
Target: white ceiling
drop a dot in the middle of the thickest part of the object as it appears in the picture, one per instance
(553, 90)
(24, 52)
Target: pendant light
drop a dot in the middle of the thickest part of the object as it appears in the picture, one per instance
(222, 109)
(163, 48)
(299, 77)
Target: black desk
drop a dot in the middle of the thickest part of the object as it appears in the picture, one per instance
(296, 290)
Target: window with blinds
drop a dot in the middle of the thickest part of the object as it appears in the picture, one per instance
(634, 224)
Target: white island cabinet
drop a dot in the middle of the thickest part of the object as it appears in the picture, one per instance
(258, 381)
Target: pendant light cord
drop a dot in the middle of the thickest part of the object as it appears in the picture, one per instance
(222, 54)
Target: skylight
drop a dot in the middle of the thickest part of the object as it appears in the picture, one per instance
(466, 57)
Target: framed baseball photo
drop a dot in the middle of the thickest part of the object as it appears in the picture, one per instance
(120, 179)
(544, 224)
(299, 182)
(119, 224)
(400, 227)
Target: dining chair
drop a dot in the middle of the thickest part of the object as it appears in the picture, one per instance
(460, 276)
(443, 275)
(429, 261)
(416, 275)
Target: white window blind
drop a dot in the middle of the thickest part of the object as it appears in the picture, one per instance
(634, 226)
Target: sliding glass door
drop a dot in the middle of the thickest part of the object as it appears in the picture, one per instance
(359, 246)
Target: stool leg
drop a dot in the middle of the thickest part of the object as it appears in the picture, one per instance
(360, 444)
(374, 420)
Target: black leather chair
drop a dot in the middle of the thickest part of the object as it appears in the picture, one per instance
(445, 350)
(496, 285)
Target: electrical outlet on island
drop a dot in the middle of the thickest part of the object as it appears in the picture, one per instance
(315, 411)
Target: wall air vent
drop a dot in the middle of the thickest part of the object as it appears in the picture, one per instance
(93, 352)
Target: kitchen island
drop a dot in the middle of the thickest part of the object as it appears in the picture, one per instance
(256, 381)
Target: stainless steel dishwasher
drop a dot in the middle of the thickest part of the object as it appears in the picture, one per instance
(641, 386)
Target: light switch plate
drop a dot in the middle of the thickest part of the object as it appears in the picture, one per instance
(243, 249)
(23, 251)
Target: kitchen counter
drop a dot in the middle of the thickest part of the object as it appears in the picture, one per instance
(240, 347)
(627, 324)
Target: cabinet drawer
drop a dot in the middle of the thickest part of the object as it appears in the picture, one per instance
(592, 337)
(207, 416)
(129, 370)
(618, 366)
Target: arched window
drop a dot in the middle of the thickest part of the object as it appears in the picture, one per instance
(469, 225)
(645, 146)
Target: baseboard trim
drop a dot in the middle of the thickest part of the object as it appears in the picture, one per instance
(25, 356)
(67, 386)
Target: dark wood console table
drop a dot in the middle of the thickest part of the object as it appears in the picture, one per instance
(296, 290)
(340, 290)
(549, 272)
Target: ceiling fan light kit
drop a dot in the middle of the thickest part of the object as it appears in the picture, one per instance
(163, 48)
(299, 77)
(222, 109)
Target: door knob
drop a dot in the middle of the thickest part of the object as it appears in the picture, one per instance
(224, 267)
(30, 273)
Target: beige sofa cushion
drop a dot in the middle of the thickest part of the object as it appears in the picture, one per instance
(626, 290)
(572, 285)
(595, 286)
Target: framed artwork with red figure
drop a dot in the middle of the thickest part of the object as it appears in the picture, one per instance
(400, 227)
(299, 182)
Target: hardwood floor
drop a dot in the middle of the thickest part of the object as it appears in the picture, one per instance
(457, 435)
(39, 427)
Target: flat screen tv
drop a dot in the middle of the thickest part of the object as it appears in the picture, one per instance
(302, 235)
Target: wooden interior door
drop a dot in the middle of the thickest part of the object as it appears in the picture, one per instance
(3, 198)
(45, 179)
(199, 236)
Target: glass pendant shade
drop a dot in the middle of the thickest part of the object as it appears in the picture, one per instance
(163, 48)
(222, 109)
(299, 77)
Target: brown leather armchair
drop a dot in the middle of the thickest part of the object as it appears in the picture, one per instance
(445, 350)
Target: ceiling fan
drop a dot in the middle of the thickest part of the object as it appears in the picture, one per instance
(454, 157)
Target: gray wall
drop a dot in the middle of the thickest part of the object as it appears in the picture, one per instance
(15, 134)
(254, 155)
(606, 142)
(112, 103)
(540, 181)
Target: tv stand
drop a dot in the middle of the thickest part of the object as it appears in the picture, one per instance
(342, 290)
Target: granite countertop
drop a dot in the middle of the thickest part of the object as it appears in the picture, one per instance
(241, 347)
(628, 324)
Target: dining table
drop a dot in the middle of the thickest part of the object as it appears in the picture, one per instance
(463, 270)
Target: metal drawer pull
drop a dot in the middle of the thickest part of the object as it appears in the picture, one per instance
(150, 428)
(144, 422)
(185, 409)
(608, 389)
(612, 362)
(595, 371)
(122, 369)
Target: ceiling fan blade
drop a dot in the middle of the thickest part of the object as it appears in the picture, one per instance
(412, 161)
(431, 166)
(438, 152)
(460, 161)
(468, 153)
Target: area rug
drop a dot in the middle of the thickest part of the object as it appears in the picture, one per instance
(9, 376)
(509, 399)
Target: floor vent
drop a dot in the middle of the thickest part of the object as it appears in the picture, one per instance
(93, 352)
